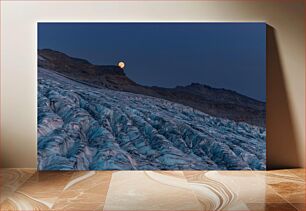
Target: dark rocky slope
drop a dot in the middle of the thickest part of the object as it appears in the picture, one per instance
(216, 102)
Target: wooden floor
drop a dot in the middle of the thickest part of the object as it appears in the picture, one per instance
(27, 189)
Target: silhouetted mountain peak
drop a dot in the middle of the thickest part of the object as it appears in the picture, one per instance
(61, 62)
(53, 55)
(198, 85)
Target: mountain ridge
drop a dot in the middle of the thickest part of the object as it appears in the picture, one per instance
(217, 102)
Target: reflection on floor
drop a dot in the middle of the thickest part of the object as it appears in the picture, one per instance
(27, 189)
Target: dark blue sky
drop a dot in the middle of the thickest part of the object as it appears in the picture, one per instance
(222, 55)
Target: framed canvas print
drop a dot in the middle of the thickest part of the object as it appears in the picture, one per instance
(151, 96)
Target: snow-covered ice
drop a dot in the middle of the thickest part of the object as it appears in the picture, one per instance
(86, 128)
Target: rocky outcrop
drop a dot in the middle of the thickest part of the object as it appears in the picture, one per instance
(217, 102)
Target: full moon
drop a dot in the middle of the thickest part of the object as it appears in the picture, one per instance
(121, 65)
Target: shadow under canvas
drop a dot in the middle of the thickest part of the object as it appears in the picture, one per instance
(281, 139)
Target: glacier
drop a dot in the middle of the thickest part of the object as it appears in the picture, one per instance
(82, 127)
